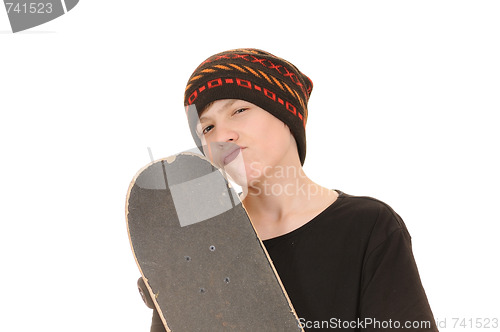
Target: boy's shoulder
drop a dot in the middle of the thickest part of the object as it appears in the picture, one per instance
(367, 203)
(371, 210)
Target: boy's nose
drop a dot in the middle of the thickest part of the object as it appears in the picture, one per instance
(226, 134)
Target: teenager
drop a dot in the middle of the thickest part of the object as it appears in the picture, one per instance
(345, 261)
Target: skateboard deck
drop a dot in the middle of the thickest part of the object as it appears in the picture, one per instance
(198, 253)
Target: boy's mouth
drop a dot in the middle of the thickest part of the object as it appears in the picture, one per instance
(230, 155)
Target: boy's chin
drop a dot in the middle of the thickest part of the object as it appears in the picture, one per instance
(236, 175)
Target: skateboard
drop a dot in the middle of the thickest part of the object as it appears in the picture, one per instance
(198, 253)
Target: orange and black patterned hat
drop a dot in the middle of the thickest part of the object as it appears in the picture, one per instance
(256, 76)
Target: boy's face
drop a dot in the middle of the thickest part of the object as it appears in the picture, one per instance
(247, 141)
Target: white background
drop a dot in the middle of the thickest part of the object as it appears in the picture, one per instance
(404, 109)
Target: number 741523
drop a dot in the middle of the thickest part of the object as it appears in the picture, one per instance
(29, 8)
(475, 323)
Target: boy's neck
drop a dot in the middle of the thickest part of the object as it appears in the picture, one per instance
(280, 204)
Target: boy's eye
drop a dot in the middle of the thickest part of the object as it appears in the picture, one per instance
(206, 129)
(239, 110)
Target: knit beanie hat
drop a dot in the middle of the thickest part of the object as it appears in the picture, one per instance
(255, 76)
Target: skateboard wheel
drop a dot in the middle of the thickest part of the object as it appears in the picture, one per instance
(143, 290)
